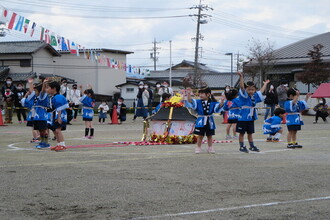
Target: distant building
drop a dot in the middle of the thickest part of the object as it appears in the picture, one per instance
(23, 59)
(292, 58)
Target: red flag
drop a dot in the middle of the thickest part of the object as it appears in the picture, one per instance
(47, 38)
(108, 62)
(12, 21)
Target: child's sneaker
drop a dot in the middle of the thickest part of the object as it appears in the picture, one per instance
(198, 150)
(53, 148)
(90, 137)
(269, 139)
(85, 137)
(210, 150)
(42, 146)
(35, 140)
(244, 149)
(296, 145)
(20, 122)
(276, 140)
(228, 137)
(254, 148)
(290, 146)
(235, 137)
(60, 148)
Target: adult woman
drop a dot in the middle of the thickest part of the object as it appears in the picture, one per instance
(271, 101)
(20, 110)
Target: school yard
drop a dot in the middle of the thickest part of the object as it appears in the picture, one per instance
(99, 180)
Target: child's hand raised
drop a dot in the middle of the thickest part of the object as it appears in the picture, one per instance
(267, 81)
(308, 95)
(240, 74)
(30, 80)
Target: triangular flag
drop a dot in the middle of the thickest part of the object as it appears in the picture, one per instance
(42, 32)
(53, 40)
(26, 25)
(12, 21)
(32, 28)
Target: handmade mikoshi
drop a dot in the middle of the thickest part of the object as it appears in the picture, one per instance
(172, 124)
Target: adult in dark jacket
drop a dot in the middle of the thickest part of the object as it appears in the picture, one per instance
(271, 101)
(120, 108)
(8, 90)
(20, 110)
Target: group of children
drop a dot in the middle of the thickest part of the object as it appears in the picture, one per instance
(242, 112)
(48, 112)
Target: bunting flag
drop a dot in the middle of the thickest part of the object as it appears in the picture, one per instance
(53, 40)
(68, 44)
(19, 24)
(78, 48)
(42, 32)
(12, 21)
(73, 48)
(108, 62)
(46, 36)
(63, 44)
(3, 14)
(32, 28)
(26, 25)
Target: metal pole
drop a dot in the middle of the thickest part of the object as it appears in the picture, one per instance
(197, 44)
(231, 71)
(155, 58)
(170, 63)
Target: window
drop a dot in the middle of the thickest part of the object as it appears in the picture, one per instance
(129, 90)
(25, 63)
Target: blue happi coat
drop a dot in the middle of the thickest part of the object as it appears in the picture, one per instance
(272, 125)
(158, 107)
(294, 117)
(58, 103)
(233, 108)
(202, 119)
(38, 105)
(247, 104)
(87, 107)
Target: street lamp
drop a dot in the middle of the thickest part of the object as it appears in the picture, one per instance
(231, 68)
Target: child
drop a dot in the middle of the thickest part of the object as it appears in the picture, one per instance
(103, 110)
(58, 106)
(272, 125)
(294, 120)
(121, 109)
(205, 125)
(28, 102)
(39, 113)
(165, 97)
(232, 106)
(248, 98)
(88, 103)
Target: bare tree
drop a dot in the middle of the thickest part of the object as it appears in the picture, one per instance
(261, 59)
(315, 72)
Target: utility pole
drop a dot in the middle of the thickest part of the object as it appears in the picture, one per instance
(170, 63)
(200, 16)
(153, 55)
(237, 63)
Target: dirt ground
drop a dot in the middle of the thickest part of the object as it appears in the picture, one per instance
(163, 182)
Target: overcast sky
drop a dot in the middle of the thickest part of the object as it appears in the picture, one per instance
(232, 25)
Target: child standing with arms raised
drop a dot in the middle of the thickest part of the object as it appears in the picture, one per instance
(205, 125)
(88, 103)
(248, 98)
(294, 107)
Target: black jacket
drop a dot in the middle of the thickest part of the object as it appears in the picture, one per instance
(271, 98)
(122, 109)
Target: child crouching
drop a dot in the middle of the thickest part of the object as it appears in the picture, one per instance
(272, 125)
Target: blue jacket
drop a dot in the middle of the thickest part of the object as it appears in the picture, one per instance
(87, 107)
(272, 125)
(247, 104)
(233, 108)
(59, 103)
(202, 119)
(293, 110)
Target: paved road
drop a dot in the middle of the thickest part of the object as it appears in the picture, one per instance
(163, 182)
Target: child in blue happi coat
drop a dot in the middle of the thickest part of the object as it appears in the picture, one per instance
(39, 112)
(248, 98)
(88, 103)
(293, 108)
(205, 125)
(232, 106)
(272, 126)
(28, 102)
(58, 106)
(165, 97)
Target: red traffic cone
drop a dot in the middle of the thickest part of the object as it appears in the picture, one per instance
(1, 119)
(114, 116)
(284, 118)
(225, 118)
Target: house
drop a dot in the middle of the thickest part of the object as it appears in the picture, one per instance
(292, 58)
(23, 59)
(214, 79)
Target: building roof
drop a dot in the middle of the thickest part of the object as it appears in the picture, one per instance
(300, 49)
(19, 77)
(191, 64)
(219, 80)
(98, 50)
(25, 47)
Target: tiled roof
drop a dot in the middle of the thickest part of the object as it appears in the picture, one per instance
(300, 48)
(19, 77)
(219, 80)
(25, 47)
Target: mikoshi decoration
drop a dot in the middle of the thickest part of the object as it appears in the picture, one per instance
(172, 124)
